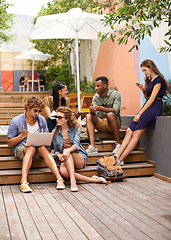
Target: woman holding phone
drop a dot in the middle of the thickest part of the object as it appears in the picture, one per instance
(154, 90)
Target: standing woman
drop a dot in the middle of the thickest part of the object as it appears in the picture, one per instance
(154, 90)
(67, 148)
(59, 98)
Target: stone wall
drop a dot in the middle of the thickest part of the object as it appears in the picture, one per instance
(157, 143)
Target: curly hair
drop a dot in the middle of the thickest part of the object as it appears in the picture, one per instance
(150, 64)
(72, 120)
(34, 102)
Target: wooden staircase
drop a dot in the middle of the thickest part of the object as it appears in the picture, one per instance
(12, 104)
(10, 167)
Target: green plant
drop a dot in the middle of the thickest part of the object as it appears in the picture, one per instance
(58, 73)
(86, 87)
(167, 102)
(167, 105)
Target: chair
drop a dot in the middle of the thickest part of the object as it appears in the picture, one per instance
(42, 88)
(22, 88)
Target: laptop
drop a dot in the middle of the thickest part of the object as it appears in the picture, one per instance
(39, 139)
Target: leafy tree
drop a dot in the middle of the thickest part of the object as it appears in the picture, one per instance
(139, 18)
(85, 87)
(6, 22)
(58, 73)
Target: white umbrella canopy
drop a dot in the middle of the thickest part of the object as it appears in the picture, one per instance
(74, 24)
(33, 55)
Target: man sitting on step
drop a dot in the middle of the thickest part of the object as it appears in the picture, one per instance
(104, 114)
(18, 130)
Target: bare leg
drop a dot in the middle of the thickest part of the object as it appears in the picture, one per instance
(78, 162)
(67, 169)
(114, 125)
(91, 121)
(125, 143)
(50, 162)
(27, 161)
(134, 140)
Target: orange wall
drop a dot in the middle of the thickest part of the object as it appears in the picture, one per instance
(122, 70)
(7, 80)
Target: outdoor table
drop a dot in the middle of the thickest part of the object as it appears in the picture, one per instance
(34, 81)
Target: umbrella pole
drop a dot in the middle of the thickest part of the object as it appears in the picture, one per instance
(78, 77)
(32, 76)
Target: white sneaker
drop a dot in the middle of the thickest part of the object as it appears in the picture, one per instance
(116, 148)
(91, 150)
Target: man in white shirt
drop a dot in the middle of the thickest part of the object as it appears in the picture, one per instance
(18, 130)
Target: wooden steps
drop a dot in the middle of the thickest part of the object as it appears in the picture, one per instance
(12, 104)
(8, 115)
(10, 167)
(45, 175)
(12, 110)
(102, 147)
(10, 162)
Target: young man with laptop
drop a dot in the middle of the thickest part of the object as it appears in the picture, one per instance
(18, 131)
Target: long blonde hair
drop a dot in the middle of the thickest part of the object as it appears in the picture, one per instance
(72, 121)
(150, 64)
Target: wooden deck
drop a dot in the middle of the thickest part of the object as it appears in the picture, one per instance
(137, 208)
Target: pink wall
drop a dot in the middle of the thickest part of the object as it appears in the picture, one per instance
(122, 70)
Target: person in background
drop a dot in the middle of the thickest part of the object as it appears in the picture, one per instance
(154, 90)
(18, 130)
(68, 150)
(23, 79)
(58, 98)
(107, 102)
(41, 78)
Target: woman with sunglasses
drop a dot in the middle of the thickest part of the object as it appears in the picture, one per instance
(68, 150)
(58, 98)
(154, 90)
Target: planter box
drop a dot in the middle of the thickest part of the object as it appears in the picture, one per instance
(157, 143)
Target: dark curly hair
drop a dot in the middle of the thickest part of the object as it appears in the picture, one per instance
(58, 86)
(34, 102)
(72, 120)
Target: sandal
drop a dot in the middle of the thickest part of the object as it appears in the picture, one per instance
(60, 184)
(103, 180)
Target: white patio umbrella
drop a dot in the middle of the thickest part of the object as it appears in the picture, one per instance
(33, 55)
(74, 24)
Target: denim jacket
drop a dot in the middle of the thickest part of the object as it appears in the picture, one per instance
(74, 136)
(16, 126)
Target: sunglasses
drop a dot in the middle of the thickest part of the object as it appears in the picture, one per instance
(35, 111)
(58, 117)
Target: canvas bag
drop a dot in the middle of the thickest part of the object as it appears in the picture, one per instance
(110, 169)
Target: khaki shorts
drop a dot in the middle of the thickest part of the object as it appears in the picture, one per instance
(20, 153)
(103, 126)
